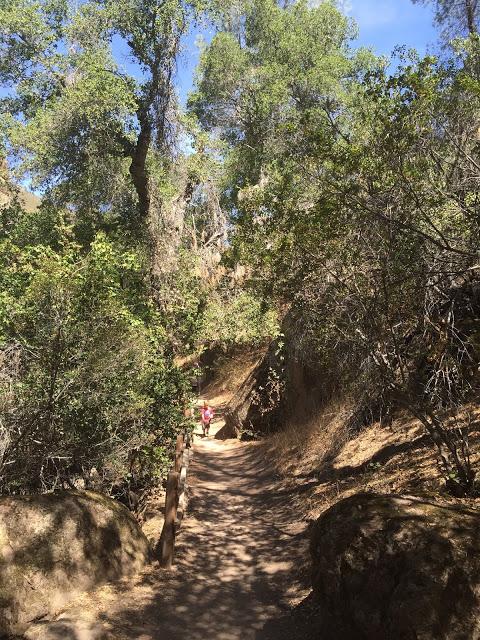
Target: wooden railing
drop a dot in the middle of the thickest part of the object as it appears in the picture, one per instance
(175, 499)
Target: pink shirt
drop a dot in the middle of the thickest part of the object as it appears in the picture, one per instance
(207, 414)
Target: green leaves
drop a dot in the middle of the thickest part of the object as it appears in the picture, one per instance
(238, 318)
(29, 32)
(94, 370)
(78, 128)
(278, 93)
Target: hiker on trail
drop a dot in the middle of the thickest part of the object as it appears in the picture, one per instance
(207, 416)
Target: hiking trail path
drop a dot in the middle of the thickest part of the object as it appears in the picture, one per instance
(240, 563)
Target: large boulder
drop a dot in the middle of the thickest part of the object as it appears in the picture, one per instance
(54, 546)
(397, 568)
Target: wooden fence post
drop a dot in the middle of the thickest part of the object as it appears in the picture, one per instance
(167, 540)
(178, 453)
(175, 494)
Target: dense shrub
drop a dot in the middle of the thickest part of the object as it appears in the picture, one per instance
(87, 383)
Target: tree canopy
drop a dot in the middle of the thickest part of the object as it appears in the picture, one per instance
(456, 17)
(305, 175)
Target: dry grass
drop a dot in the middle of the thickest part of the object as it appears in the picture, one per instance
(301, 447)
(334, 464)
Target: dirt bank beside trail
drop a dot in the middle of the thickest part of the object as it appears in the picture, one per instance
(241, 562)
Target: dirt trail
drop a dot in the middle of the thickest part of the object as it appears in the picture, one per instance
(240, 562)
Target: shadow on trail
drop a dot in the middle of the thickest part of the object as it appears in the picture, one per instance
(240, 556)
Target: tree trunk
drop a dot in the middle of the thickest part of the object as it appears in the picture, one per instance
(138, 168)
(470, 13)
(454, 462)
(458, 473)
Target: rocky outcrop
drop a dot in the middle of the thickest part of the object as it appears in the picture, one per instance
(255, 408)
(29, 201)
(397, 568)
(286, 384)
(53, 547)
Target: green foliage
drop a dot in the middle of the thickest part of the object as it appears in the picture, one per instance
(184, 294)
(77, 124)
(238, 318)
(87, 343)
(94, 385)
(350, 196)
(280, 105)
(46, 225)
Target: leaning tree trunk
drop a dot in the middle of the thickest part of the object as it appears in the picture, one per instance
(452, 446)
(454, 460)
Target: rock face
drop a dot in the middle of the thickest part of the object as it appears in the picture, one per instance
(286, 385)
(397, 568)
(53, 547)
(29, 201)
(254, 409)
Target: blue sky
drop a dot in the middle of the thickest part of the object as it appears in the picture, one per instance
(383, 25)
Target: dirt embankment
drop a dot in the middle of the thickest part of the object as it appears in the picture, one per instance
(287, 385)
(320, 434)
